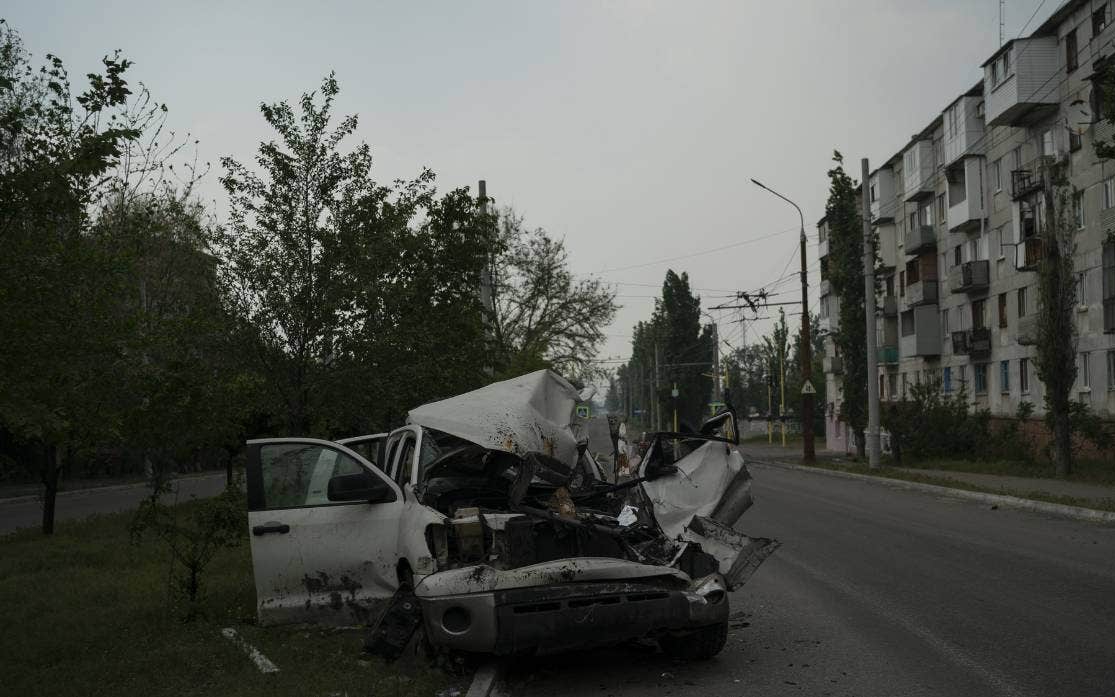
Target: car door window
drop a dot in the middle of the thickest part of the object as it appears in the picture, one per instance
(406, 458)
(370, 450)
(297, 474)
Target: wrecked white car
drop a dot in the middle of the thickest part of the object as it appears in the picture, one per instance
(486, 522)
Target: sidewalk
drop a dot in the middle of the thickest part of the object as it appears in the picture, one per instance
(1026, 487)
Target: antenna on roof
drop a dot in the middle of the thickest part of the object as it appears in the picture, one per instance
(1002, 3)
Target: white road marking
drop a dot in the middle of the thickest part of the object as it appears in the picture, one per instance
(262, 662)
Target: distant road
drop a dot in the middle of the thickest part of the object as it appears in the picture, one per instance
(27, 512)
(882, 591)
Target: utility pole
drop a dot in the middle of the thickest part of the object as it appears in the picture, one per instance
(656, 408)
(487, 294)
(808, 453)
(869, 311)
(717, 386)
(782, 388)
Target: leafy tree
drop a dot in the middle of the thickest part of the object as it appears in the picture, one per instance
(845, 272)
(59, 333)
(360, 311)
(684, 354)
(1056, 340)
(543, 317)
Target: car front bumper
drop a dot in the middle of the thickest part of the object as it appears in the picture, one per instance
(558, 617)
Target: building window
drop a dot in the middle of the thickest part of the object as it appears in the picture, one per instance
(1002, 310)
(1024, 375)
(997, 174)
(1078, 209)
(941, 208)
(874, 193)
(1072, 58)
(892, 379)
(1108, 193)
(913, 221)
(905, 385)
(1021, 302)
(1099, 20)
(995, 73)
(1006, 63)
(1111, 370)
(1016, 156)
(981, 378)
(1085, 376)
(978, 321)
(945, 323)
(962, 374)
(1082, 288)
(948, 379)
(957, 255)
(1047, 142)
(927, 214)
(901, 284)
(1004, 377)
(1109, 287)
(907, 323)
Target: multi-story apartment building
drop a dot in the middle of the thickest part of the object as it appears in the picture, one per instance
(957, 212)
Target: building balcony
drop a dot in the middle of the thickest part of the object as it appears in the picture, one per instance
(966, 209)
(1030, 253)
(921, 238)
(887, 241)
(975, 343)
(824, 287)
(833, 365)
(889, 306)
(925, 337)
(970, 277)
(917, 170)
(967, 138)
(921, 293)
(882, 195)
(1024, 182)
(1027, 332)
(888, 355)
(1023, 87)
(823, 248)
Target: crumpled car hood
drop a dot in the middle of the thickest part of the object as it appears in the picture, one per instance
(530, 413)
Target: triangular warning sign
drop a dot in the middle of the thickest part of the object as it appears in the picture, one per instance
(807, 388)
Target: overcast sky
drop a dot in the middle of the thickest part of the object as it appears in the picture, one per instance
(630, 129)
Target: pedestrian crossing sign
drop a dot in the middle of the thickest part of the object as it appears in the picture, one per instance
(807, 388)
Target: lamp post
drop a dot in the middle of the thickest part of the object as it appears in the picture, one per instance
(808, 452)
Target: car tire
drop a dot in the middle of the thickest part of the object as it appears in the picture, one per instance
(699, 645)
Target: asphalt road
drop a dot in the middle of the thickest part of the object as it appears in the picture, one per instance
(28, 511)
(882, 591)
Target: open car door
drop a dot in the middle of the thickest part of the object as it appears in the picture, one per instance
(324, 526)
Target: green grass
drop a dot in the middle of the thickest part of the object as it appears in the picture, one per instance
(87, 613)
(1090, 471)
(914, 476)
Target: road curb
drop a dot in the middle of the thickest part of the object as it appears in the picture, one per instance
(100, 489)
(1077, 512)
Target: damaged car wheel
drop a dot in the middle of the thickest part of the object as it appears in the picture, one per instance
(700, 645)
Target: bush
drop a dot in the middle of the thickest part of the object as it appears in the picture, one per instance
(192, 537)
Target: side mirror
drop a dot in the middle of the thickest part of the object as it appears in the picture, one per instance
(362, 486)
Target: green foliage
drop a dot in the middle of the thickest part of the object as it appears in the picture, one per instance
(1056, 342)
(543, 317)
(917, 424)
(192, 536)
(675, 328)
(341, 285)
(845, 273)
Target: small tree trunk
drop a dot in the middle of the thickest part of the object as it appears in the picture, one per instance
(861, 443)
(1062, 443)
(50, 474)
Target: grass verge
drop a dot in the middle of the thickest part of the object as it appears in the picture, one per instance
(1087, 471)
(906, 475)
(87, 613)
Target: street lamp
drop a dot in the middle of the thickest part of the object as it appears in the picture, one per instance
(808, 452)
